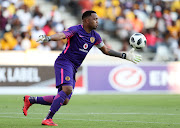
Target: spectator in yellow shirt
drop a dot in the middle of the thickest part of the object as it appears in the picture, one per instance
(100, 9)
(30, 3)
(4, 44)
(173, 29)
(34, 44)
(175, 5)
(113, 12)
(11, 9)
(9, 41)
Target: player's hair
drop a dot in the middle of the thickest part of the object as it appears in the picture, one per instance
(87, 14)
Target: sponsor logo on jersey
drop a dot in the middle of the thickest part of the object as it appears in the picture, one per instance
(83, 50)
(127, 78)
(92, 39)
(85, 46)
(67, 78)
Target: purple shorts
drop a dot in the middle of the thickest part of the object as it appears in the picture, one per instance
(65, 74)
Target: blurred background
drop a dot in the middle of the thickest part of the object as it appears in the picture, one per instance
(26, 64)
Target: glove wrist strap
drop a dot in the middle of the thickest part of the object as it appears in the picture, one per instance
(123, 55)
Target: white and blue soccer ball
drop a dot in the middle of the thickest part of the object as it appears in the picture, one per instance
(138, 41)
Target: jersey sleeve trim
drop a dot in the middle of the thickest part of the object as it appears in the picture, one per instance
(70, 31)
(100, 45)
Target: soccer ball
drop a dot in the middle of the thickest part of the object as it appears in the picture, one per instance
(138, 41)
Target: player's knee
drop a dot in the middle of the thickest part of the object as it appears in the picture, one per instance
(67, 89)
(66, 101)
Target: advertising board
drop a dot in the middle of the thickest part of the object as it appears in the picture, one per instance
(133, 78)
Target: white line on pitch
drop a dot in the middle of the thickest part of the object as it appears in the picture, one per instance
(121, 121)
(170, 114)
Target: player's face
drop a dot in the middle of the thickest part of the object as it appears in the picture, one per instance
(93, 21)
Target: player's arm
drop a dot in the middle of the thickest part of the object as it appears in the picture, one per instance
(68, 33)
(55, 37)
(135, 58)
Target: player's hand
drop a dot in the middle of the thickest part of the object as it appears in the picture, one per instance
(43, 38)
(131, 56)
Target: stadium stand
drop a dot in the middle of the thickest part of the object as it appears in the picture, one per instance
(21, 21)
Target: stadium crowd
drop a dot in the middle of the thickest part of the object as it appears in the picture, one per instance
(21, 21)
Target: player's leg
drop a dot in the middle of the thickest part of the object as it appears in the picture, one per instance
(60, 99)
(69, 96)
(29, 100)
(57, 103)
(47, 100)
(64, 81)
(43, 100)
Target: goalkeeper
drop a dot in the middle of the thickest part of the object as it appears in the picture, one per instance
(81, 39)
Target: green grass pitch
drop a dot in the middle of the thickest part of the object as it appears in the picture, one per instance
(97, 111)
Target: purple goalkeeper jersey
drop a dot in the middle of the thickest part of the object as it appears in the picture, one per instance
(79, 43)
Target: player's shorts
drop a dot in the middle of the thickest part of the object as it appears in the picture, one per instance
(65, 74)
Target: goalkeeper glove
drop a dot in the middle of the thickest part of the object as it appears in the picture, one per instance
(131, 56)
(43, 38)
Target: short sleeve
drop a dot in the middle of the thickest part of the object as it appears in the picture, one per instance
(70, 31)
(98, 39)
